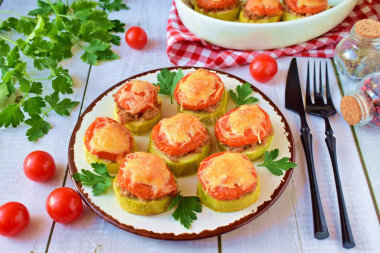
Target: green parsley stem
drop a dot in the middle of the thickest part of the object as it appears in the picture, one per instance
(9, 40)
(52, 6)
(13, 13)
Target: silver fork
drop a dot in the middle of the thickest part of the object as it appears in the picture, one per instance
(324, 110)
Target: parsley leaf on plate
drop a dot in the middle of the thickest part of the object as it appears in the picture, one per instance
(276, 167)
(186, 210)
(243, 95)
(167, 81)
(99, 181)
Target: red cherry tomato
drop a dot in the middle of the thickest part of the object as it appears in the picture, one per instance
(263, 68)
(39, 166)
(136, 37)
(64, 205)
(14, 217)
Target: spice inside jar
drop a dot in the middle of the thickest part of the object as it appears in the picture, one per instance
(358, 54)
(362, 106)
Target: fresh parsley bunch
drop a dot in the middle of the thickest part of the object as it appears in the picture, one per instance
(48, 35)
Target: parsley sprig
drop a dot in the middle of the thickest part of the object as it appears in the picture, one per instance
(276, 167)
(99, 182)
(47, 36)
(186, 210)
(167, 80)
(243, 95)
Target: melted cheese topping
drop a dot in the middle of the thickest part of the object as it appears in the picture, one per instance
(139, 97)
(244, 118)
(111, 138)
(198, 87)
(228, 170)
(148, 169)
(180, 128)
(311, 3)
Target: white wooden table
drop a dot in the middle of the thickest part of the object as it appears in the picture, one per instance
(285, 227)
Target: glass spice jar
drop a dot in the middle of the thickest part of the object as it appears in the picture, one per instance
(362, 106)
(358, 54)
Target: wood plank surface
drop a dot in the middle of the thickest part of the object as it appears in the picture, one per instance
(14, 146)
(285, 227)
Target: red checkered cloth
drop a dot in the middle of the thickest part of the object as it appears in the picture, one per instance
(186, 49)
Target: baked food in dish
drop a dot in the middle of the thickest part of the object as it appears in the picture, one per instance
(144, 185)
(138, 106)
(296, 9)
(246, 129)
(183, 141)
(107, 141)
(261, 11)
(227, 182)
(201, 93)
(221, 9)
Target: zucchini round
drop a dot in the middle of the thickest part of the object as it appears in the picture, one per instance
(187, 165)
(141, 207)
(228, 205)
(209, 118)
(244, 19)
(140, 127)
(254, 154)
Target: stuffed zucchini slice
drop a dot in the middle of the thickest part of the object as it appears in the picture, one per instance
(222, 9)
(202, 94)
(144, 185)
(298, 9)
(246, 129)
(261, 11)
(227, 182)
(138, 106)
(182, 141)
(107, 141)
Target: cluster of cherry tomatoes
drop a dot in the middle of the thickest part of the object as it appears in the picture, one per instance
(63, 204)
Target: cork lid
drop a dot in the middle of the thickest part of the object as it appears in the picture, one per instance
(350, 109)
(368, 28)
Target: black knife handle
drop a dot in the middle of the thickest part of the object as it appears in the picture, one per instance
(347, 236)
(320, 226)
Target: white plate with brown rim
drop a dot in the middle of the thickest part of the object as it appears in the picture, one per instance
(163, 226)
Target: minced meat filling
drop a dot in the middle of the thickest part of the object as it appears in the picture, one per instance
(175, 158)
(248, 147)
(125, 117)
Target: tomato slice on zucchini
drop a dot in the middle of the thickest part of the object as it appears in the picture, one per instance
(199, 90)
(179, 134)
(107, 139)
(136, 96)
(227, 175)
(146, 176)
(247, 124)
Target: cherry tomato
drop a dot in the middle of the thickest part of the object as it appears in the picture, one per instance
(39, 166)
(14, 217)
(64, 205)
(263, 68)
(136, 37)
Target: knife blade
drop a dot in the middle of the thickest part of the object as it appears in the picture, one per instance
(294, 102)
